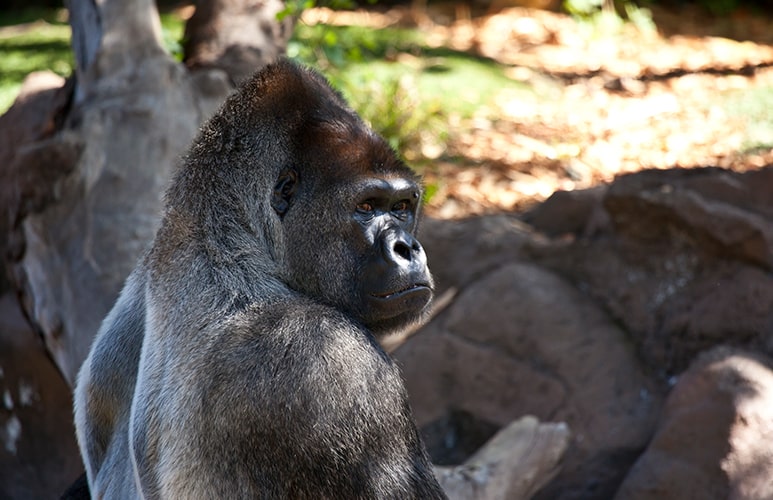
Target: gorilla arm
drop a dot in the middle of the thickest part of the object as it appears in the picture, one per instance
(104, 393)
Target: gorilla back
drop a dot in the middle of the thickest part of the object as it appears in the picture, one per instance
(240, 360)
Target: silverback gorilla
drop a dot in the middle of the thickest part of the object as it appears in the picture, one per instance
(240, 360)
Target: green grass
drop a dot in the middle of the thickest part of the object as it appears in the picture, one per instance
(24, 16)
(351, 56)
(39, 39)
(31, 41)
(405, 89)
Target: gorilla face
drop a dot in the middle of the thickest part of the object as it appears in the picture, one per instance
(350, 209)
(394, 284)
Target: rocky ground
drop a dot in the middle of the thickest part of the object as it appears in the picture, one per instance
(638, 313)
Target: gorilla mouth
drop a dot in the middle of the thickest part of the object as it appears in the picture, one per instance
(401, 292)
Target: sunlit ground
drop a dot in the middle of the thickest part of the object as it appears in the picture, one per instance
(594, 100)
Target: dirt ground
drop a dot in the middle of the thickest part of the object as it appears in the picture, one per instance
(622, 100)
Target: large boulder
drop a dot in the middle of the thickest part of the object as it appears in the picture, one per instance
(585, 309)
(681, 259)
(714, 436)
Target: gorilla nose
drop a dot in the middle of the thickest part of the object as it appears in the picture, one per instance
(402, 248)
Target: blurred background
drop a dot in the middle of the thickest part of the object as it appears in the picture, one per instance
(599, 201)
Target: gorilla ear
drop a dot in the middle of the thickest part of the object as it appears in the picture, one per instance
(284, 189)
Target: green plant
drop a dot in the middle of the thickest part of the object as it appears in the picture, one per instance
(640, 17)
(172, 30)
(607, 17)
(583, 8)
(296, 7)
(334, 47)
(755, 108)
(720, 7)
(416, 130)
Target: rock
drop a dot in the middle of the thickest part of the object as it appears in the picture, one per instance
(513, 465)
(713, 439)
(460, 251)
(38, 454)
(569, 212)
(520, 340)
(722, 212)
(684, 264)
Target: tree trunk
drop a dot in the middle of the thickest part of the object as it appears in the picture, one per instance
(99, 173)
(235, 35)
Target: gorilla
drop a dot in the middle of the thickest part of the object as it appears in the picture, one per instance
(241, 359)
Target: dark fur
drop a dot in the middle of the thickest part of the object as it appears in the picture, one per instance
(240, 359)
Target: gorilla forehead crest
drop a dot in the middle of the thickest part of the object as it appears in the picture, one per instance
(300, 101)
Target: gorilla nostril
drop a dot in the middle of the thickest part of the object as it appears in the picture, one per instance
(403, 250)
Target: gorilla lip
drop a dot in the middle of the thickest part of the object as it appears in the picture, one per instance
(404, 291)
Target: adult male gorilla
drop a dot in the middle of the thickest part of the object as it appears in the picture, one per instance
(240, 359)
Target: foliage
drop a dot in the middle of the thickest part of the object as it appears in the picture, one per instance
(721, 7)
(413, 128)
(629, 10)
(388, 100)
(330, 47)
(15, 17)
(172, 30)
(296, 7)
(405, 89)
(583, 8)
(606, 17)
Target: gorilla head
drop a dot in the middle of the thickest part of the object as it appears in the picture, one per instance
(349, 210)
(344, 209)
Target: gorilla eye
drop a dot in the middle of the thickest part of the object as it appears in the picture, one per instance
(402, 206)
(365, 207)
